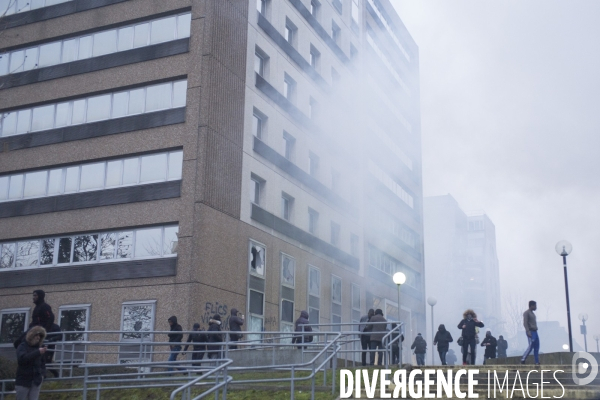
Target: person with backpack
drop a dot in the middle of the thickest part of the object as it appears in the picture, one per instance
(490, 344)
(198, 340)
(42, 314)
(502, 347)
(442, 339)
(235, 325)
(300, 329)
(469, 333)
(420, 348)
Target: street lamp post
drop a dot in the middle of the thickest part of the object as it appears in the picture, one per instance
(584, 317)
(597, 338)
(399, 278)
(564, 248)
(432, 302)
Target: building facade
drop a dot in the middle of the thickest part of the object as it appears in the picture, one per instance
(462, 265)
(193, 156)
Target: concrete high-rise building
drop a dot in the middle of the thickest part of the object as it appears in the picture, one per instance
(461, 264)
(186, 157)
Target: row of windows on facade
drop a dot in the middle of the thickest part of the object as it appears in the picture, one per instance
(396, 228)
(381, 14)
(136, 318)
(151, 168)
(389, 265)
(257, 195)
(257, 267)
(386, 62)
(94, 108)
(88, 248)
(9, 7)
(391, 184)
(97, 44)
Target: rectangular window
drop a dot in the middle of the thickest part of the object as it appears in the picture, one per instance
(261, 6)
(136, 318)
(256, 187)
(335, 234)
(314, 8)
(313, 164)
(256, 259)
(290, 32)
(336, 302)
(315, 56)
(355, 12)
(74, 318)
(287, 203)
(287, 271)
(337, 4)
(259, 64)
(336, 33)
(313, 219)
(289, 88)
(258, 125)
(288, 145)
(314, 294)
(356, 304)
(13, 323)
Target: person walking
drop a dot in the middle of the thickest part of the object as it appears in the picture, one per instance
(377, 333)
(420, 348)
(490, 344)
(451, 357)
(442, 339)
(396, 344)
(365, 338)
(198, 340)
(214, 326)
(531, 329)
(468, 325)
(175, 339)
(235, 325)
(31, 369)
(502, 347)
(42, 314)
(300, 336)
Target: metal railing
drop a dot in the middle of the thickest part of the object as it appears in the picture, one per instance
(109, 360)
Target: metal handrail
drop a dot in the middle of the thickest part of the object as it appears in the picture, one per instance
(227, 380)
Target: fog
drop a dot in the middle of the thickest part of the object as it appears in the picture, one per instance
(510, 124)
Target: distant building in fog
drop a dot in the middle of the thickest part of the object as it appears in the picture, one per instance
(461, 264)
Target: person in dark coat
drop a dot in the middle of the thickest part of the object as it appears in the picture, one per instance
(53, 335)
(175, 338)
(442, 340)
(42, 314)
(30, 359)
(490, 344)
(420, 348)
(299, 327)
(214, 326)
(502, 347)
(235, 325)
(365, 338)
(468, 324)
(198, 341)
(378, 331)
(451, 357)
(396, 344)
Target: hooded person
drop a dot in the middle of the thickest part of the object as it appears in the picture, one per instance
(365, 338)
(235, 325)
(214, 325)
(31, 368)
(490, 344)
(378, 331)
(420, 348)
(442, 340)
(198, 340)
(300, 337)
(502, 347)
(468, 325)
(175, 339)
(42, 314)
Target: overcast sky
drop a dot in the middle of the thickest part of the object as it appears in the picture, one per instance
(510, 111)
